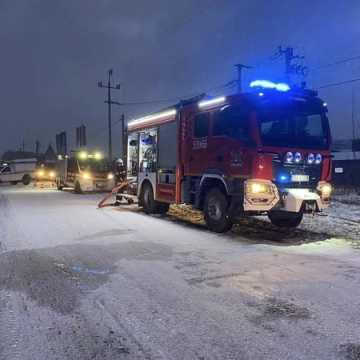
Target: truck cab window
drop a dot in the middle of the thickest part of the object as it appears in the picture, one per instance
(232, 122)
(201, 125)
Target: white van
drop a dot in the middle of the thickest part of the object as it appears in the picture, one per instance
(20, 170)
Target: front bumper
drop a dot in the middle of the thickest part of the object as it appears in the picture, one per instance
(97, 185)
(288, 199)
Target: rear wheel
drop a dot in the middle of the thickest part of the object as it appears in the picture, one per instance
(78, 189)
(285, 219)
(216, 211)
(26, 179)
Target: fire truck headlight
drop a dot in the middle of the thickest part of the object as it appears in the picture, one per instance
(318, 159)
(110, 176)
(311, 159)
(52, 174)
(40, 173)
(297, 157)
(289, 157)
(325, 190)
(256, 188)
(86, 176)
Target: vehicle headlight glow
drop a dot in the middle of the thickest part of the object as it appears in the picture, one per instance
(289, 157)
(41, 173)
(325, 190)
(52, 174)
(110, 176)
(318, 159)
(83, 155)
(311, 159)
(86, 176)
(256, 188)
(98, 156)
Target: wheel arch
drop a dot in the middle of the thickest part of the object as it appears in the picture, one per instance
(207, 182)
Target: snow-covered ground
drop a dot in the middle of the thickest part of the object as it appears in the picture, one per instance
(77, 282)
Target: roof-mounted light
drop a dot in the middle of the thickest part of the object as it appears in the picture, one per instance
(266, 84)
(212, 102)
(153, 117)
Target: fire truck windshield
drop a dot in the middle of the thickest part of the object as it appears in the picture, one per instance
(294, 129)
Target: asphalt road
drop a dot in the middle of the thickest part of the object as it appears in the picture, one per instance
(81, 283)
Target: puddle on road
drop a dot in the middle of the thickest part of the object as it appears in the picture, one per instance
(273, 309)
(59, 277)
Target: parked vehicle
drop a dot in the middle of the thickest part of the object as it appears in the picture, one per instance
(45, 173)
(262, 152)
(84, 172)
(19, 170)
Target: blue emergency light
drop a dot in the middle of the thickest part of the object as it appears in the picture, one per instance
(266, 84)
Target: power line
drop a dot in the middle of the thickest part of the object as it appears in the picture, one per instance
(339, 83)
(339, 62)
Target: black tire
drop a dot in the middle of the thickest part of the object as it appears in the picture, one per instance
(216, 211)
(26, 180)
(77, 188)
(147, 200)
(285, 219)
(13, 182)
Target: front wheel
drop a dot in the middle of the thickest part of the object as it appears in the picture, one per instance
(26, 179)
(59, 185)
(285, 219)
(216, 211)
(78, 189)
(148, 202)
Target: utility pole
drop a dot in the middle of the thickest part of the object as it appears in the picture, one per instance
(240, 68)
(37, 147)
(353, 121)
(109, 102)
(292, 68)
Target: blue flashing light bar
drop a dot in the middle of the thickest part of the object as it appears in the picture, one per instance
(266, 84)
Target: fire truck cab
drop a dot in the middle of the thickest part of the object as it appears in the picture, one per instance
(262, 152)
(84, 172)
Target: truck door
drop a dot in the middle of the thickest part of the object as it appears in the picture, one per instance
(230, 142)
(199, 131)
(148, 155)
(6, 174)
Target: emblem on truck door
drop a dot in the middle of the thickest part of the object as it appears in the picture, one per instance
(200, 143)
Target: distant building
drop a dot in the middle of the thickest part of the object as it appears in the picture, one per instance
(346, 164)
(48, 157)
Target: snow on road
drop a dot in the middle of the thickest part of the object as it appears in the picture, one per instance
(81, 283)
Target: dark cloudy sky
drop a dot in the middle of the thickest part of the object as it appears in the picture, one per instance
(53, 53)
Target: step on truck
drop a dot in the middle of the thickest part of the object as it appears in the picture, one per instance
(265, 152)
(18, 171)
(84, 172)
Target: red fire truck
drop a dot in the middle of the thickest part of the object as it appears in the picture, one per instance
(262, 152)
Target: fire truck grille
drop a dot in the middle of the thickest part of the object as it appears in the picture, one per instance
(296, 175)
